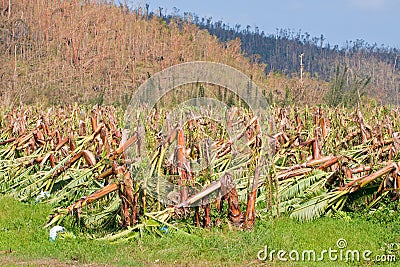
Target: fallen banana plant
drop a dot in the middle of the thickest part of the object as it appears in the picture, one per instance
(120, 184)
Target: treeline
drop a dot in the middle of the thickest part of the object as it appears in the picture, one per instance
(281, 52)
(56, 52)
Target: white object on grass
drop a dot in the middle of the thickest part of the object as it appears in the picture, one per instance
(42, 195)
(54, 231)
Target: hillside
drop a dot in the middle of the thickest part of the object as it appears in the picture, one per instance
(281, 51)
(63, 52)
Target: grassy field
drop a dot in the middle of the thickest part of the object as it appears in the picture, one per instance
(23, 241)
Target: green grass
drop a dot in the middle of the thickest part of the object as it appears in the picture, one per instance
(22, 232)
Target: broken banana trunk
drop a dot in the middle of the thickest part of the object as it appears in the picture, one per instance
(251, 200)
(228, 190)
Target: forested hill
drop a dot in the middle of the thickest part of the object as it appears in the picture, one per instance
(55, 52)
(60, 52)
(282, 49)
(281, 52)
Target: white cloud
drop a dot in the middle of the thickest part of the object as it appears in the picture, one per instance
(368, 4)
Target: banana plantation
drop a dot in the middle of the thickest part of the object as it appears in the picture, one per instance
(115, 182)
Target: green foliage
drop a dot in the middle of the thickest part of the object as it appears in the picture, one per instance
(346, 88)
(216, 247)
(288, 97)
(386, 214)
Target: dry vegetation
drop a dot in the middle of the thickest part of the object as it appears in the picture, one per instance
(314, 162)
(60, 52)
(309, 162)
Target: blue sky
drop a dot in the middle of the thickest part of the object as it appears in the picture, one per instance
(375, 21)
